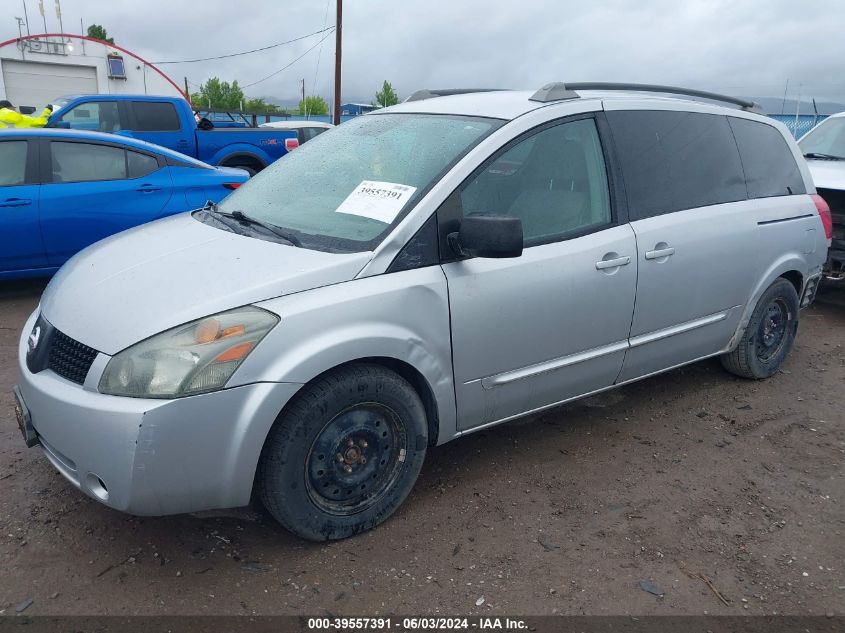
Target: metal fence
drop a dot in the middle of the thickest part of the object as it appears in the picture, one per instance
(801, 124)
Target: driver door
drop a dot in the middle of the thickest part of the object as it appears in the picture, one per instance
(552, 324)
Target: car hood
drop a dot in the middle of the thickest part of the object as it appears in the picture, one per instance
(154, 277)
(827, 174)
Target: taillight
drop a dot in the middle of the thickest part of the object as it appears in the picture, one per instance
(232, 185)
(291, 143)
(824, 213)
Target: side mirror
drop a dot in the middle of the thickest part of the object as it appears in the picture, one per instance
(483, 235)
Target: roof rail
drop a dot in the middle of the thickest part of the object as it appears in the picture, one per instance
(420, 95)
(558, 91)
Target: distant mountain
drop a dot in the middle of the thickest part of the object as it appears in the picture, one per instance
(776, 105)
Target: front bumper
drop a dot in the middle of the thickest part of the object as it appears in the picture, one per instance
(148, 456)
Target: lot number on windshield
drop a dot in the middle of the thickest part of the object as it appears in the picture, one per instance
(380, 201)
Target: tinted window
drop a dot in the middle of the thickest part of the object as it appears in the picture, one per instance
(140, 164)
(12, 163)
(96, 116)
(151, 116)
(676, 160)
(770, 168)
(554, 181)
(75, 162)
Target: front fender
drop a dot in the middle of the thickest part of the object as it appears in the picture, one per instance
(402, 316)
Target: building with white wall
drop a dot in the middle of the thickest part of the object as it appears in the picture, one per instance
(37, 69)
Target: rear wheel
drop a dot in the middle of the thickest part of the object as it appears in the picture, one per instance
(344, 454)
(770, 334)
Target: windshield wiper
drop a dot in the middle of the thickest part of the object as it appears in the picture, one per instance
(243, 218)
(821, 156)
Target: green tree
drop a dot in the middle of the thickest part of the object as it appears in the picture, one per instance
(99, 32)
(260, 106)
(222, 95)
(313, 105)
(219, 95)
(387, 96)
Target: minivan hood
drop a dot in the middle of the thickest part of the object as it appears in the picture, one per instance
(827, 174)
(154, 277)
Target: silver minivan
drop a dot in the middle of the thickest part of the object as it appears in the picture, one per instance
(411, 276)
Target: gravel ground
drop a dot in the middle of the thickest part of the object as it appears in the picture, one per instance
(723, 496)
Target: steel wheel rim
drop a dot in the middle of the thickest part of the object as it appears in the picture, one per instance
(773, 330)
(355, 458)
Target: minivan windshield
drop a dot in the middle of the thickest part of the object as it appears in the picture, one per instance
(827, 139)
(344, 190)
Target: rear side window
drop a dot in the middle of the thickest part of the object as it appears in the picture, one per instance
(153, 116)
(140, 164)
(676, 160)
(12, 163)
(770, 168)
(78, 162)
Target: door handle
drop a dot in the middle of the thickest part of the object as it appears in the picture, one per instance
(660, 253)
(613, 263)
(147, 189)
(16, 202)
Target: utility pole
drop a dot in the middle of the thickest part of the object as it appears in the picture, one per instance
(26, 17)
(304, 102)
(337, 55)
(187, 92)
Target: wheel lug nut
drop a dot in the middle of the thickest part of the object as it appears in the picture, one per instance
(339, 457)
(363, 443)
(347, 468)
(350, 442)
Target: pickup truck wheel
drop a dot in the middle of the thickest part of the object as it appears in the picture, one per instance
(769, 336)
(344, 454)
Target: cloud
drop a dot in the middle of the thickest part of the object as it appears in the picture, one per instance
(747, 48)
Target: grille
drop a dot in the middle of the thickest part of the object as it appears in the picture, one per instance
(69, 358)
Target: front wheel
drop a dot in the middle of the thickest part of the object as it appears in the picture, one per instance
(769, 336)
(344, 454)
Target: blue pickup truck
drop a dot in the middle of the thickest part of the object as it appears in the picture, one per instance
(170, 122)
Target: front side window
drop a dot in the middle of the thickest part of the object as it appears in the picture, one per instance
(554, 181)
(770, 168)
(12, 163)
(674, 160)
(155, 116)
(344, 191)
(81, 162)
(95, 116)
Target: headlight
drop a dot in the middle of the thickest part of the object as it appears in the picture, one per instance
(193, 358)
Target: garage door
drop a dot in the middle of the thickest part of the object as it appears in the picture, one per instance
(36, 84)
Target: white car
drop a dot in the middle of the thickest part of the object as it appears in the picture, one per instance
(305, 130)
(824, 149)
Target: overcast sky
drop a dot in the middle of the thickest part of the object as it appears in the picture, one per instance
(742, 47)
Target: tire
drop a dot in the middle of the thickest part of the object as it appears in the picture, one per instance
(344, 454)
(770, 334)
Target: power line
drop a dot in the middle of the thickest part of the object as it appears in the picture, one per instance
(273, 74)
(254, 50)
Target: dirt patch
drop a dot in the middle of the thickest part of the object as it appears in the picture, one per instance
(723, 494)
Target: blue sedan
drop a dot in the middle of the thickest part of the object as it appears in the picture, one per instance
(62, 190)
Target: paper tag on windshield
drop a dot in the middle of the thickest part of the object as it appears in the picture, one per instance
(380, 201)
